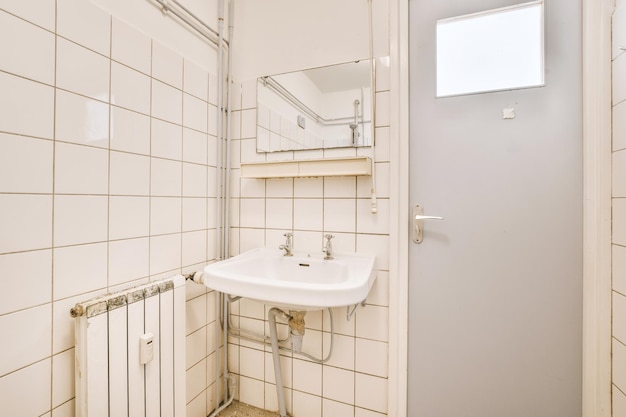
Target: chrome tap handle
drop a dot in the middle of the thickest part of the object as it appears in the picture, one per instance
(288, 246)
(328, 248)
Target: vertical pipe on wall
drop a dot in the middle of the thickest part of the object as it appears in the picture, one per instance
(373, 204)
(231, 19)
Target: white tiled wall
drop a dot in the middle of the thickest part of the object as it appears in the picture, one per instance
(106, 181)
(619, 212)
(354, 381)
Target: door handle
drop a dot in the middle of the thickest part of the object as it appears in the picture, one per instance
(418, 223)
(420, 217)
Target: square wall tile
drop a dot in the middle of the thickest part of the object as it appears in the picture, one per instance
(248, 124)
(194, 213)
(251, 363)
(84, 23)
(80, 219)
(619, 221)
(195, 146)
(165, 253)
(195, 113)
(619, 126)
(252, 187)
(167, 65)
(30, 346)
(619, 402)
(619, 364)
(25, 164)
(167, 103)
(165, 215)
(343, 351)
(368, 222)
(371, 392)
(39, 12)
(307, 214)
(279, 188)
(619, 317)
(80, 169)
(619, 173)
(381, 150)
(251, 392)
(33, 56)
(194, 248)
(196, 312)
(130, 174)
(338, 384)
(26, 222)
(252, 212)
(129, 260)
(166, 140)
(129, 217)
(63, 377)
(307, 377)
(372, 357)
(195, 80)
(21, 293)
(308, 187)
(130, 47)
(619, 269)
(130, 89)
(334, 408)
(194, 180)
(376, 245)
(372, 322)
(619, 80)
(306, 405)
(27, 107)
(27, 392)
(340, 187)
(196, 347)
(81, 120)
(279, 213)
(166, 178)
(82, 71)
(79, 269)
(339, 215)
(196, 380)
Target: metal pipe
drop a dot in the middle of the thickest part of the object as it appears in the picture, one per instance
(190, 19)
(219, 157)
(271, 315)
(231, 18)
(275, 86)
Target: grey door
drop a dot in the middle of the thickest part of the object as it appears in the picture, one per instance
(495, 289)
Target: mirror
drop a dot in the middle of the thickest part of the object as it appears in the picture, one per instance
(319, 108)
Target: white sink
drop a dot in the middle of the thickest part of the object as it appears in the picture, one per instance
(300, 281)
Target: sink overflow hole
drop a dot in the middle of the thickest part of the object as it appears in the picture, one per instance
(305, 265)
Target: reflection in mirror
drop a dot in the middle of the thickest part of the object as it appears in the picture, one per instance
(318, 108)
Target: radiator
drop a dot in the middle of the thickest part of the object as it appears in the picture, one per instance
(130, 352)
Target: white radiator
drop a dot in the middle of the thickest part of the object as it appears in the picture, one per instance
(111, 377)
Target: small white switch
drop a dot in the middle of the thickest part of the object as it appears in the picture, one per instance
(146, 349)
(508, 113)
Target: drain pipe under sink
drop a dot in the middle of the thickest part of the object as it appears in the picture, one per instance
(296, 324)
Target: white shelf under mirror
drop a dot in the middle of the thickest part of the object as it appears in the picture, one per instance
(328, 167)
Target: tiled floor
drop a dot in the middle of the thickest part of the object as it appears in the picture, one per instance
(237, 409)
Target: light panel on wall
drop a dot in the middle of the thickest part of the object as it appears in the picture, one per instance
(498, 49)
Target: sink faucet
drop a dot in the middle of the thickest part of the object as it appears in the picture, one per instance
(288, 246)
(328, 248)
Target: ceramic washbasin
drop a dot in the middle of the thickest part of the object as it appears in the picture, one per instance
(300, 281)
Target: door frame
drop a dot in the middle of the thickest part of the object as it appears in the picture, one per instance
(596, 361)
